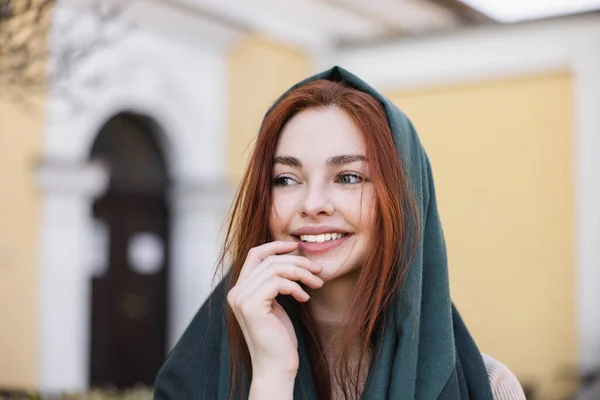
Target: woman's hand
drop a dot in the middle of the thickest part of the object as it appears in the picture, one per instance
(268, 272)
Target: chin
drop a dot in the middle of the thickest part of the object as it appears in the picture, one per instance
(334, 269)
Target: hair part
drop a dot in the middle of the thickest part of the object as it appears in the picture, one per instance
(381, 276)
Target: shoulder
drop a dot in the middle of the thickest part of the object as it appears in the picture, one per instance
(192, 368)
(505, 385)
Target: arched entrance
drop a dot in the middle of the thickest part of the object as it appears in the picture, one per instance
(130, 268)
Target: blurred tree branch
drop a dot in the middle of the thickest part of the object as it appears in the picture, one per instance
(34, 56)
(23, 48)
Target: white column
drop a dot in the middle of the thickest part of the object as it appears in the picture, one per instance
(198, 228)
(587, 206)
(64, 302)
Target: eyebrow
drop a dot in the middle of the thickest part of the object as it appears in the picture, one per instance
(334, 161)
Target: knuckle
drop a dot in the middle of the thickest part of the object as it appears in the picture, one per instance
(270, 259)
(304, 261)
(281, 282)
(299, 261)
(275, 269)
(244, 308)
(253, 252)
(231, 297)
(292, 287)
(290, 284)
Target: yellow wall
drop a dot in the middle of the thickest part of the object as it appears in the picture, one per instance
(20, 145)
(260, 70)
(502, 160)
(21, 130)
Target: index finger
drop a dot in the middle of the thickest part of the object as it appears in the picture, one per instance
(257, 254)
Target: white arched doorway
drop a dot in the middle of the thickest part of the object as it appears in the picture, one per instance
(192, 117)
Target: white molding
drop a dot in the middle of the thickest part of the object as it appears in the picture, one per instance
(320, 25)
(199, 211)
(263, 17)
(471, 54)
(63, 337)
(68, 190)
(587, 205)
(178, 21)
(87, 180)
(570, 44)
(213, 194)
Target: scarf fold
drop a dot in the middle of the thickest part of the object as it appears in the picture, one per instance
(426, 351)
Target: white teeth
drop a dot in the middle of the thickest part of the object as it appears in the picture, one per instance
(321, 238)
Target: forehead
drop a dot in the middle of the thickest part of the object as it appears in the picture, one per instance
(317, 134)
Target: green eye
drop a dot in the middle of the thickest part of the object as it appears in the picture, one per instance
(349, 178)
(283, 180)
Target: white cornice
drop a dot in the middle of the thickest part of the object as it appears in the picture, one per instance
(179, 21)
(249, 18)
(473, 54)
(60, 178)
(185, 23)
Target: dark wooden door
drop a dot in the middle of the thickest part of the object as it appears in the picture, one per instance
(129, 299)
(129, 290)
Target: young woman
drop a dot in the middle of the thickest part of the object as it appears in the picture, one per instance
(338, 286)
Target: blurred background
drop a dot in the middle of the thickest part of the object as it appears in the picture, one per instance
(125, 127)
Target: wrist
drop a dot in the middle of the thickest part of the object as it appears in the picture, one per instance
(272, 384)
(283, 373)
(270, 368)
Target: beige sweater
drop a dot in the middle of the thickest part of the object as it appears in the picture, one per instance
(505, 385)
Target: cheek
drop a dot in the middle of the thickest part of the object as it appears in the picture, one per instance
(277, 218)
(369, 212)
(274, 223)
(360, 210)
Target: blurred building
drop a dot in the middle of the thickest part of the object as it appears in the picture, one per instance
(118, 179)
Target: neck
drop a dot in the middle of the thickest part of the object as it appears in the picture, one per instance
(331, 302)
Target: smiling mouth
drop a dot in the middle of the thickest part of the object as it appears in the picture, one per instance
(322, 238)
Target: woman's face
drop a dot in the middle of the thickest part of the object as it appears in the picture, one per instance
(322, 196)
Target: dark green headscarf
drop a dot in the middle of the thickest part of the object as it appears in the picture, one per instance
(426, 351)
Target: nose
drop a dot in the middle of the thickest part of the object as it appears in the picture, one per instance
(317, 201)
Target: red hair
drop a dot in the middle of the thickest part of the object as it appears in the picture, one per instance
(385, 266)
